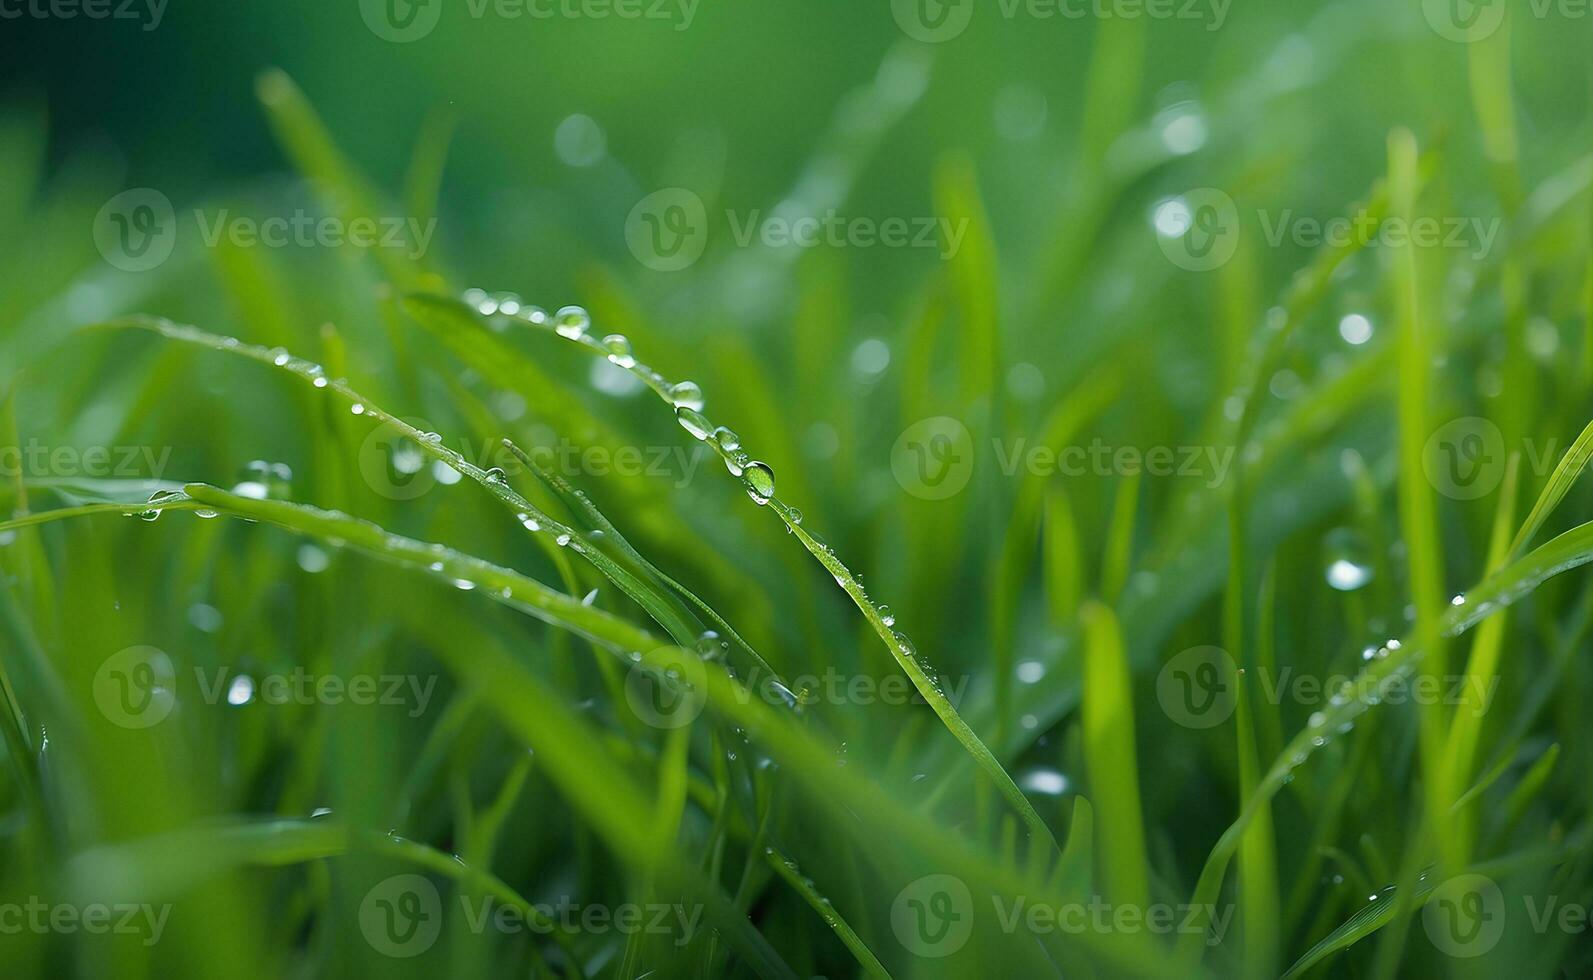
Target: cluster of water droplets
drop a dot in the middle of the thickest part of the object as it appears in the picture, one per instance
(574, 323)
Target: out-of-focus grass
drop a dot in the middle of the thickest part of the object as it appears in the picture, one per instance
(664, 688)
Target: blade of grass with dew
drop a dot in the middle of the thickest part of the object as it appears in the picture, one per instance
(1417, 515)
(1392, 664)
(581, 504)
(501, 584)
(1381, 910)
(533, 520)
(758, 480)
(505, 697)
(792, 875)
(1465, 728)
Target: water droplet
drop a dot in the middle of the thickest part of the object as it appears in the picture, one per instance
(497, 475)
(1043, 782)
(357, 409)
(709, 646)
(252, 489)
(313, 559)
(694, 422)
(619, 350)
(686, 394)
(760, 483)
(1355, 329)
(572, 322)
(241, 690)
(1031, 671)
(727, 439)
(1348, 568)
(785, 694)
(887, 616)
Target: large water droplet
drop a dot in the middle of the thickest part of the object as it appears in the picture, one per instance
(619, 350)
(686, 394)
(694, 422)
(572, 322)
(760, 483)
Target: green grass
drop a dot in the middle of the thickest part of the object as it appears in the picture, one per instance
(665, 690)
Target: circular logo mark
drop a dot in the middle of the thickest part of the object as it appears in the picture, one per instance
(136, 230)
(393, 465)
(934, 458)
(1464, 21)
(1197, 688)
(1465, 916)
(933, 916)
(401, 916)
(667, 688)
(401, 21)
(1198, 231)
(667, 230)
(932, 21)
(136, 688)
(1465, 459)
